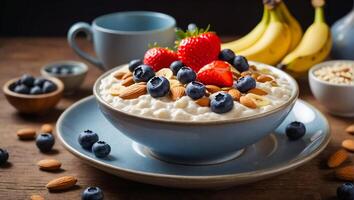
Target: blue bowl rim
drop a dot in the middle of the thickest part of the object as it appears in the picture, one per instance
(290, 102)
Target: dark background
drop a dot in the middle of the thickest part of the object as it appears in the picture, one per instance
(227, 17)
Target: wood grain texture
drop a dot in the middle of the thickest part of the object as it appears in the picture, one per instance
(21, 177)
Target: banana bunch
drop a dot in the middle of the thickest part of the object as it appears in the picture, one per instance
(279, 39)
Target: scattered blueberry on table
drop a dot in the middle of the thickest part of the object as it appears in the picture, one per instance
(192, 27)
(87, 138)
(222, 102)
(195, 90)
(158, 86)
(345, 191)
(176, 66)
(101, 149)
(295, 130)
(246, 83)
(227, 55)
(28, 84)
(133, 64)
(186, 75)
(45, 142)
(143, 73)
(4, 156)
(92, 193)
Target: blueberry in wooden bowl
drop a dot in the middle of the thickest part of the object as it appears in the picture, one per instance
(33, 95)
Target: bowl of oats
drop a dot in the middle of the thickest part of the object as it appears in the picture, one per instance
(332, 84)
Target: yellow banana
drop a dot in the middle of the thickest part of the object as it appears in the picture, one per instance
(274, 43)
(251, 37)
(294, 25)
(313, 48)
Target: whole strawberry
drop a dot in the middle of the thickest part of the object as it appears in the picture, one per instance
(216, 73)
(159, 57)
(198, 48)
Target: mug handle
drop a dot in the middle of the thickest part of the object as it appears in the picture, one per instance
(72, 33)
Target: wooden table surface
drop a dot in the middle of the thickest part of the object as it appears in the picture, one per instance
(21, 177)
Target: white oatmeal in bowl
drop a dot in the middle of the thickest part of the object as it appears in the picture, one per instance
(271, 91)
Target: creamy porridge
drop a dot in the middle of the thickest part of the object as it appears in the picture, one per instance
(269, 95)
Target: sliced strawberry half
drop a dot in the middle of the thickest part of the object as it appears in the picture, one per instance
(216, 73)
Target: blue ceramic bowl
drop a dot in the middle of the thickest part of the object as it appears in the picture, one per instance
(197, 142)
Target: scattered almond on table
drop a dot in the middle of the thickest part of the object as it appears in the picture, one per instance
(348, 145)
(337, 158)
(350, 129)
(345, 173)
(47, 128)
(37, 197)
(49, 164)
(26, 133)
(62, 183)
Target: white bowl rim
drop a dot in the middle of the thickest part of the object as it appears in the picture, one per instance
(329, 63)
(290, 101)
(83, 66)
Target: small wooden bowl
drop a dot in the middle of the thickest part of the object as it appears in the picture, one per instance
(33, 104)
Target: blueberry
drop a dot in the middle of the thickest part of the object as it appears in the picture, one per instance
(92, 193)
(101, 149)
(48, 86)
(134, 64)
(65, 71)
(39, 82)
(345, 191)
(36, 90)
(87, 139)
(195, 90)
(4, 156)
(45, 142)
(245, 83)
(22, 89)
(27, 80)
(158, 86)
(295, 130)
(222, 102)
(143, 73)
(55, 70)
(176, 66)
(192, 27)
(240, 63)
(186, 75)
(227, 55)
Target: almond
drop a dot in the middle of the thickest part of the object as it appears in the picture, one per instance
(260, 101)
(337, 158)
(254, 68)
(226, 88)
(61, 183)
(258, 91)
(133, 91)
(37, 197)
(165, 72)
(127, 75)
(248, 102)
(26, 133)
(246, 73)
(119, 75)
(212, 88)
(115, 90)
(264, 78)
(345, 173)
(235, 94)
(255, 75)
(350, 129)
(47, 128)
(177, 92)
(49, 164)
(128, 81)
(348, 145)
(175, 83)
(204, 101)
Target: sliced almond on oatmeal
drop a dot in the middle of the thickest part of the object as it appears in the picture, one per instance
(257, 91)
(253, 67)
(235, 94)
(177, 92)
(264, 78)
(212, 88)
(127, 75)
(115, 90)
(132, 92)
(204, 101)
(248, 102)
(350, 129)
(246, 73)
(258, 100)
(175, 83)
(165, 72)
(226, 88)
(348, 145)
(119, 75)
(128, 81)
(255, 75)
